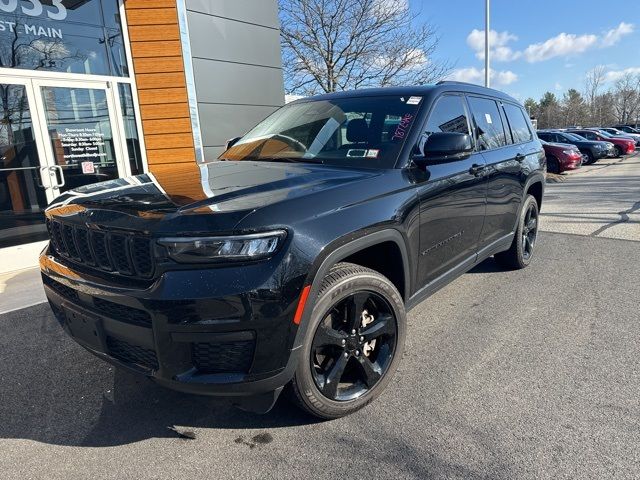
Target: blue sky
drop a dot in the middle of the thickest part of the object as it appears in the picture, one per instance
(543, 44)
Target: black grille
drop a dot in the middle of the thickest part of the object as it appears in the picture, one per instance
(84, 248)
(122, 312)
(141, 256)
(133, 354)
(62, 290)
(109, 309)
(129, 255)
(223, 357)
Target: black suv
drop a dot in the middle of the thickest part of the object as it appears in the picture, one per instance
(293, 258)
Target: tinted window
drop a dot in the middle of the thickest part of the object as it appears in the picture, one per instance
(489, 128)
(448, 115)
(355, 131)
(588, 135)
(574, 137)
(565, 138)
(518, 123)
(545, 136)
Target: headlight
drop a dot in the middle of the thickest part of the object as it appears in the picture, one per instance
(256, 246)
(569, 152)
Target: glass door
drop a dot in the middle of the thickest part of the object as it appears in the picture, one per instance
(55, 135)
(82, 132)
(24, 178)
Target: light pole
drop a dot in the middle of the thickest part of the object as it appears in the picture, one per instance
(487, 71)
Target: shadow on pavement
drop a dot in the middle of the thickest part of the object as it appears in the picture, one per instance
(54, 391)
(487, 266)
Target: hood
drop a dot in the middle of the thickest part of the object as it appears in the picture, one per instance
(210, 197)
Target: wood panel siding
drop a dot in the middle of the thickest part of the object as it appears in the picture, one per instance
(154, 34)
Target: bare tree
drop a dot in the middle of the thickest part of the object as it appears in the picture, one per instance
(594, 80)
(626, 97)
(332, 45)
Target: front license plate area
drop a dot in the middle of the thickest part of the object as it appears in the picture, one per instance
(86, 329)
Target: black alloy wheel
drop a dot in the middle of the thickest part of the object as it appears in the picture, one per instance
(353, 346)
(521, 251)
(529, 231)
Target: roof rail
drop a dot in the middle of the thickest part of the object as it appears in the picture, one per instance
(442, 82)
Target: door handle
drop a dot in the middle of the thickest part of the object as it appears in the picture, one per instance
(477, 170)
(520, 157)
(59, 169)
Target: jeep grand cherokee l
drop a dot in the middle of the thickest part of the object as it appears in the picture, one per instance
(293, 259)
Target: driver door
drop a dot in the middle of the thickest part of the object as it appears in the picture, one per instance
(452, 199)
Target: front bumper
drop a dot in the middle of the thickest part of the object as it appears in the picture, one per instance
(211, 332)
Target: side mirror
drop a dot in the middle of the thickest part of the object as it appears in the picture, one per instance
(231, 142)
(442, 147)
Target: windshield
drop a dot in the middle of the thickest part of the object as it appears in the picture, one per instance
(604, 134)
(355, 132)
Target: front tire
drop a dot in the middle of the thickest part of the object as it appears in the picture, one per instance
(522, 248)
(590, 158)
(353, 343)
(619, 152)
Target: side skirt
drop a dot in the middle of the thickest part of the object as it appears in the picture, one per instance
(500, 245)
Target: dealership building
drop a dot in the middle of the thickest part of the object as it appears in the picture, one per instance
(93, 90)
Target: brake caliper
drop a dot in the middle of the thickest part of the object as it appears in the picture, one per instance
(366, 319)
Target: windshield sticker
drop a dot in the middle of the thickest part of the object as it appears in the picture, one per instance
(356, 152)
(414, 100)
(403, 127)
(372, 153)
(488, 118)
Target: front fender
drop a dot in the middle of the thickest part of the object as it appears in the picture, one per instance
(347, 247)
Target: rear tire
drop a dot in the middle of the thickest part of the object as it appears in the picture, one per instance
(338, 372)
(553, 166)
(522, 248)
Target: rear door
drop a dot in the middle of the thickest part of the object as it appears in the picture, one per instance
(504, 159)
(452, 199)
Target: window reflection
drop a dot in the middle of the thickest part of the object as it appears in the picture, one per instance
(130, 128)
(79, 37)
(22, 197)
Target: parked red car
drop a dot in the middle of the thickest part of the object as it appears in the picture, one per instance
(623, 146)
(561, 157)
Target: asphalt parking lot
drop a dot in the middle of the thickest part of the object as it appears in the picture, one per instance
(528, 374)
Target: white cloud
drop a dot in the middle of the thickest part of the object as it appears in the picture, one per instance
(476, 75)
(614, 75)
(558, 86)
(500, 51)
(614, 35)
(566, 44)
(563, 44)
